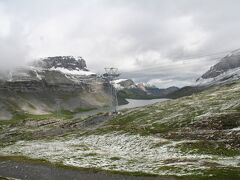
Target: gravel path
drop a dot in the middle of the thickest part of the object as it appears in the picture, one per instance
(33, 171)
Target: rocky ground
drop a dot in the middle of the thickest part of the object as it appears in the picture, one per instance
(195, 137)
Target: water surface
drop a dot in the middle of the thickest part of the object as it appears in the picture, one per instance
(133, 103)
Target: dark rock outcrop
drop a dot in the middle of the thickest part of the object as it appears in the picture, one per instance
(67, 62)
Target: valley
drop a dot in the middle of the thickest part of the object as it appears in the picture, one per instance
(156, 140)
(119, 90)
(191, 137)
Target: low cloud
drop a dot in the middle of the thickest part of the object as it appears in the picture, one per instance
(146, 40)
(14, 49)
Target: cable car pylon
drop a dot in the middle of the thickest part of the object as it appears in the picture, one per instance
(110, 75)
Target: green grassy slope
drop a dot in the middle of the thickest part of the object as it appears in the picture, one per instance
(194, 137)
(18, 104)
(215, 109)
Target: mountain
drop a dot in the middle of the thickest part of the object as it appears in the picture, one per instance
(195, 137)
(67, 62)
(185, 91)
(59, 69)
(127, 88)
(231, 61)
(225, 71)
(49, 84)
(190, 138)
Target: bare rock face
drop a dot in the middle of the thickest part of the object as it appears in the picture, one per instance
(67, 62)
(228, 62)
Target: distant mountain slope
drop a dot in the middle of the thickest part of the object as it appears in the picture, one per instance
(229, 62)
(185, 91)
(127, 88)
(59, 69)
(49, 84)
(225, 71)
(190, 138)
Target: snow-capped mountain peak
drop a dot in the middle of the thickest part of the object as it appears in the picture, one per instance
(58, 68)
(227, 69)
(230, 75)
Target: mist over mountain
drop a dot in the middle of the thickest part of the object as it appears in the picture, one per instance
(227, 69)
(230, 61)
(126, 35)
(58, 111)
(120, 89)
(39, 88)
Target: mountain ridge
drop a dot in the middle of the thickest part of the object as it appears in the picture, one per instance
(226, 71)
(228, 62)
(128, 89)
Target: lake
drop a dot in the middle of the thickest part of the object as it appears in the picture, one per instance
(133, 103)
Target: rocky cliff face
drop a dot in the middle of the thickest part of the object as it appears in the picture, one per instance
(67, 62)
(40, 87)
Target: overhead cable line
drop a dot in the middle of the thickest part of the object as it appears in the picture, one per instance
(185, 59)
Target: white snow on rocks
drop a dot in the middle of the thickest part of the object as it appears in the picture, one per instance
(230, 75)
(73, 72)
(119, 80)
(236, 129)
(117, 85)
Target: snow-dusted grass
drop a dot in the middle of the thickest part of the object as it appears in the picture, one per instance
(220, 104)
(120, 152)
(187, 136)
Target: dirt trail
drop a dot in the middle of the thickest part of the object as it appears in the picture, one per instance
(33, 171)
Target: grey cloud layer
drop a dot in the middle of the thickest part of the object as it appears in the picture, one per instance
(132, 35)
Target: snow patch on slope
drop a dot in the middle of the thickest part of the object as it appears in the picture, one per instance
(73, 72)
(230, 75)
(117, 83)
(121, 152)
(119, 80)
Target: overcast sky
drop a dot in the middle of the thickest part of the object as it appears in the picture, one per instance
(148, 40)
